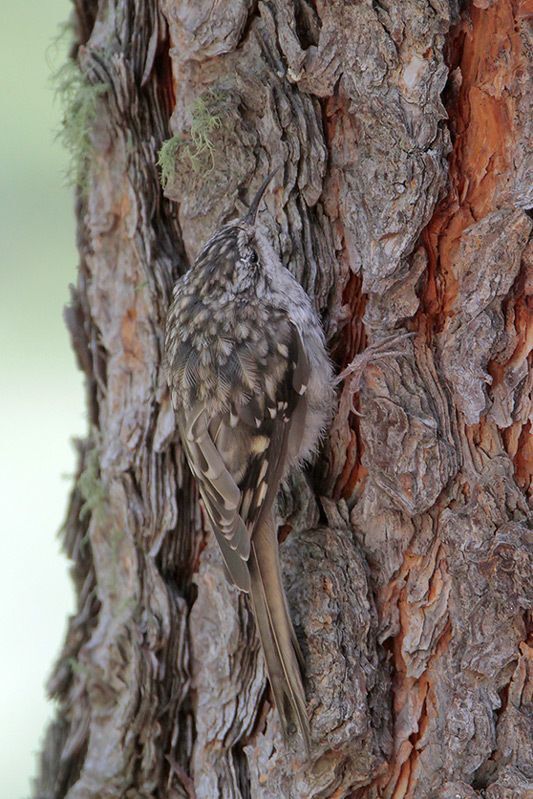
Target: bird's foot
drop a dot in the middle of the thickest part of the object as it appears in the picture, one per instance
(388, 347)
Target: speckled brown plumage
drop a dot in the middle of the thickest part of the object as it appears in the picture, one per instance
(251, 385)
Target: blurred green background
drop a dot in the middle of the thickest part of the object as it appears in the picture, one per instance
(41, 397)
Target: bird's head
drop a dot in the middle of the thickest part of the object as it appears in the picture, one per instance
(239, 242)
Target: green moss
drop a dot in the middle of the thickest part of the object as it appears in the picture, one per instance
(60, 44)
(95, 503)
(79, 102)
(167, 159)
(204, 122)
(197, 147)
(91, 487)
(78, 668)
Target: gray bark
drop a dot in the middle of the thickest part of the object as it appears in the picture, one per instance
(400, 129)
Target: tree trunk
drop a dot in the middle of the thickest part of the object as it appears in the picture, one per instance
(400, 129)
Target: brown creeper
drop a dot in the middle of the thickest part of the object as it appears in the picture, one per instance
(252, 388)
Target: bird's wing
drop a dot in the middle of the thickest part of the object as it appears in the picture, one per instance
(239, 455)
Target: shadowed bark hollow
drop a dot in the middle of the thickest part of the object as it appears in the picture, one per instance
(400, 130)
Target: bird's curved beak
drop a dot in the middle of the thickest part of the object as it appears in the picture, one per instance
(249, 218)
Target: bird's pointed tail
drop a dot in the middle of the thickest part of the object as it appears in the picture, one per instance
(280, 647)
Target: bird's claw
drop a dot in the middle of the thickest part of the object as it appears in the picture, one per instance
(382, 349)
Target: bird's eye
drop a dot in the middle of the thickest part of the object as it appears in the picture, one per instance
(253, 257)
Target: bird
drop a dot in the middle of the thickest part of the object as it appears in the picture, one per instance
(252, 388)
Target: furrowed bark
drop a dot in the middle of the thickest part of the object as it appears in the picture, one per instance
(400, 129)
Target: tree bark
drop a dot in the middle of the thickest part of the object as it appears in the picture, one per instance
(400, 132)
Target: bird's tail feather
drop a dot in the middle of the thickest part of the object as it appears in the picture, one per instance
(280, 647)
